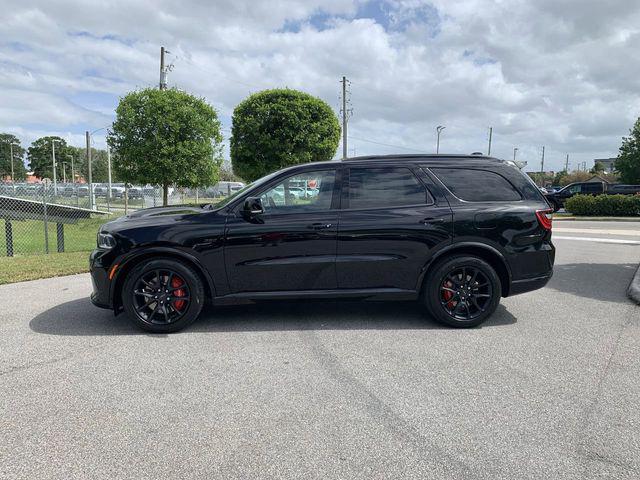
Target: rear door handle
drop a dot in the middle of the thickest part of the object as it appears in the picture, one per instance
(428, 221)
(320, 226)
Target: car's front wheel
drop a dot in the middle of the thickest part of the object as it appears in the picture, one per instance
(462, 291)
(162, 295)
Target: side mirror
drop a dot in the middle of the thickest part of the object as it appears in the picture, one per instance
(253, 206)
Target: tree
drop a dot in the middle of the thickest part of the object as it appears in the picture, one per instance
(19, 170)
(166, 137)
(597, 168)
(99, 164)
(277, 128)
(628, 162)
(40, 156)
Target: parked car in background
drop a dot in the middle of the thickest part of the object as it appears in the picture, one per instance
(455, 233)
(557, 199)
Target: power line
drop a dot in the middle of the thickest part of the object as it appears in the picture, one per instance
(423, 150)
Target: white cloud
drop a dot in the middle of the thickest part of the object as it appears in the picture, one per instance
(560, 74)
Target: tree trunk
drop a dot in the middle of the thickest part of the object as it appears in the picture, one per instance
(165, 195)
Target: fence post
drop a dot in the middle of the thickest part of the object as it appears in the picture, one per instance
(60, 237)
(46, 226)
(8, 235)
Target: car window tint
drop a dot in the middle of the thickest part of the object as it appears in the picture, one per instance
(385, 187)
(477, 185)
(302, 192)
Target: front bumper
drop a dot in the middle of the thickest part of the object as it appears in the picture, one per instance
(101, 295)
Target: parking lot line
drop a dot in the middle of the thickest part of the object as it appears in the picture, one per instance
(601, 240)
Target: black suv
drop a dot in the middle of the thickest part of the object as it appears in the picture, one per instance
(454, 232)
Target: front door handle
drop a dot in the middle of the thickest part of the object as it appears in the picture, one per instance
(429, 221)
(320, 226)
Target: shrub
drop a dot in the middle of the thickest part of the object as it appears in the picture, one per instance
(604, 205)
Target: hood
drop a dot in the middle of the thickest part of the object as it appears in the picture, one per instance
(155, 216)
(171, 210)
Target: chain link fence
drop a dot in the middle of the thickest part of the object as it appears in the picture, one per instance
(41, 218)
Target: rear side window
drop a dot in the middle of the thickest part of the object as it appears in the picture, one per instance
(385, 187)
(477, 185)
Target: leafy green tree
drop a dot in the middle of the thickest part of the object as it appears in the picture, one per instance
(597, 168)
(99, 165)
(628, 162)
(40, 156)
(19, 170)
(166, 137)
(277, 128)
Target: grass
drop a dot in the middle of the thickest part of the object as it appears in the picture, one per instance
(33, 267)
(29, 238)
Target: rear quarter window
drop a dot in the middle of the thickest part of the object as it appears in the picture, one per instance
(473, 185)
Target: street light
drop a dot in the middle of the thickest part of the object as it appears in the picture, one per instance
(515, 150)
(439, 129)
(53, 155)
(73, 177)
(89, 135)
(13, 179)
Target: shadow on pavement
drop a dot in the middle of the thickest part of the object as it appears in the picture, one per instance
(80, 317)
(600, 281)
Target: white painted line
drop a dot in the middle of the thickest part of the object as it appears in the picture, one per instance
(594, 239)
(605, 231)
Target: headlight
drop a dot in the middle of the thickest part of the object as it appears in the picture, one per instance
(106, 241)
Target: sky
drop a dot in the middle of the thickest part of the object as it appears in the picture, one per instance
(563, 74)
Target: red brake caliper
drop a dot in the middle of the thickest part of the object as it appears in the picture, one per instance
(175, 283)
(447, 295)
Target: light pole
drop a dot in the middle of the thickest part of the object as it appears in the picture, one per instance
(64, 172)
(88, 135)
(13, 179)
(53, 155)
(439, 129)
(515, 150)
(73, 176)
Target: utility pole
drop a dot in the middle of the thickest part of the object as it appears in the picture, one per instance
(163, 70)
(566, 164)
(515, 149)
(542, 169)
(13, 179)
(53, 155)
(73, 176)
(439, 130)
(345, 153)
(109, 170)
(490, 135)
(88, 135)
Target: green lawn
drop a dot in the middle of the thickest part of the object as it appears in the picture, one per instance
(29, 237)
(32, 267)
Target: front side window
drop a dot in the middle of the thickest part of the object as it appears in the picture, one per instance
(477, 185)
(302, 192)
(385, 187)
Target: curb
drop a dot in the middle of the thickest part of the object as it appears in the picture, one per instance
(633, 292)
(597, 219)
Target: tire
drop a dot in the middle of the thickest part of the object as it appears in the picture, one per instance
(473, 303)
(182, 300)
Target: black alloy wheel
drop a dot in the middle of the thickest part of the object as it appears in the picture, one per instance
(462, 291)
(465, 293)
(162, 295)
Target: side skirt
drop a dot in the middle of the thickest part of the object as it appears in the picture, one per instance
(380, 294)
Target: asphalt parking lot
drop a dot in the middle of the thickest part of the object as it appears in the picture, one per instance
(548, 388)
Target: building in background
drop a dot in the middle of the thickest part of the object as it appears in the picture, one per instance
(608, 163)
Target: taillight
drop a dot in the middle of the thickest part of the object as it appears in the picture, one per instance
(545, 218)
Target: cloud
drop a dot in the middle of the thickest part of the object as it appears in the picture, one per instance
(560, 74)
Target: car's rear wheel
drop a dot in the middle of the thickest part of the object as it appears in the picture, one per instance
(162, 295)
(462, 291)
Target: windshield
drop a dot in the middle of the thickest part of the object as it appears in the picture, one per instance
(225, 201)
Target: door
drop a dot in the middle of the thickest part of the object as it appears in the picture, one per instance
(292, 245)
(389, 227)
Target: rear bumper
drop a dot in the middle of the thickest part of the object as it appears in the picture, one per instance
(529, 284)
